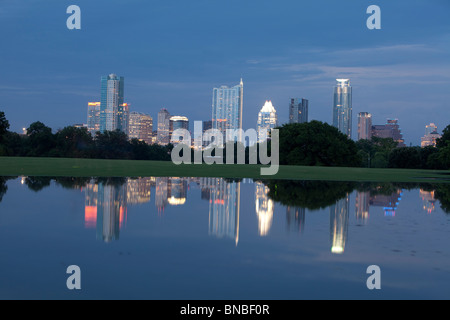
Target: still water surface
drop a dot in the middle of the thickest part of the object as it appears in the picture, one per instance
(207, 238)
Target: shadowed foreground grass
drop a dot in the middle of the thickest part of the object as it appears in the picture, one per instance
(57, 167)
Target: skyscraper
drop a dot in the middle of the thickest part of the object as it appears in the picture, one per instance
(163, 137)
(140, 127)
(267, 120)
(178, 122)
(227, 107)
(113, 111)
(93, 120)
(298, 110)
(342, 108)
(431, 135)
(390, 130)
(364, 126)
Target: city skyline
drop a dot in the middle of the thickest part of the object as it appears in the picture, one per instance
(52, 84)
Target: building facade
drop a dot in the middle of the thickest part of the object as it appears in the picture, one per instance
(390, 130)
(267, 120)
(175, 123)
(163, 135)
(430, 137)
(298, 110)
(93, 117)
(364, 126)
(342, 108)
(113, 111)
(227, 107)
(140, 127)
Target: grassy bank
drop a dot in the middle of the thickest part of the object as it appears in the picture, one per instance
(129, 168)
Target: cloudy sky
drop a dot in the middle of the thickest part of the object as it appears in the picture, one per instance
(173, 52)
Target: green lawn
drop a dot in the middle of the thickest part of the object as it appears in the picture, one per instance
(128, 168)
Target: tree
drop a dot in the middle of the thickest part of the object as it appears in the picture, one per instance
(112, 145)
(316, 144)
(40, 140)
(444, 140)
(74, 142)
(4, 125)
(408, 158)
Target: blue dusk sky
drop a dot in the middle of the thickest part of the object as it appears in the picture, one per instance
(173, 53)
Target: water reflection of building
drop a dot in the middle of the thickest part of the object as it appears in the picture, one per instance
(295, 218)
(161, 186)
(388, 202)
(177, 191)
(264, 208)
(106, 204)
(428, 200)
(138, 190)
(224, 207)
(362, 205)
(111, 210)
(339, 224)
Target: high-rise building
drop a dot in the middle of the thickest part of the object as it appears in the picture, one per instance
(227, 107)
(390, 130)
(342, 108)
(93, 120)
(298, 110)
(431, 135)
(267, 120)
(364, 126)
(163, 136)
(113, 110)
(178, 122)
(140, 126)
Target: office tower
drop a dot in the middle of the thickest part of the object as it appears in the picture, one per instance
(298, 111)
(163, 136)
(267, 120)
(224, 208)
(140, 126)
(93, 120)
(390, 130)
(207, 125)
(264, 208)
(227, 108)
(431, 135)
(175, 123)
(339, 225)
(113, 111)
(342, 108)
(364, 126)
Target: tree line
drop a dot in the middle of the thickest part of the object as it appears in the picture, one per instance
(307, 144)
(74, 142)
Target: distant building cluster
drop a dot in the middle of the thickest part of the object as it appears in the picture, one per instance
(113, 113)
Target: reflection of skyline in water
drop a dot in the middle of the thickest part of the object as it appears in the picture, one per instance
(224, 207)
(264, 207)
(107, 200)
(339, 224)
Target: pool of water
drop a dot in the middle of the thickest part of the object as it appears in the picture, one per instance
(208, 238)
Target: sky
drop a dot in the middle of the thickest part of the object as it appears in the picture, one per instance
(172, 54)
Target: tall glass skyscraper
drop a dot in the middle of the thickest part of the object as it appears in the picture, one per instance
(113, 111)
(93, 120)
(227, 107)
(342, 108)
(298, 111)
